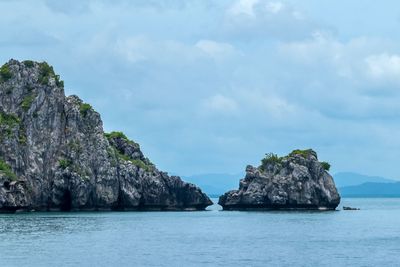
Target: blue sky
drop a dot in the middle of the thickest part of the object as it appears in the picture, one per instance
(211, 86)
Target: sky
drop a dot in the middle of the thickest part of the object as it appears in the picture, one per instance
(211, 86)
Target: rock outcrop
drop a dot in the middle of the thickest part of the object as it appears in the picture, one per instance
(296, 181)
(54, 154)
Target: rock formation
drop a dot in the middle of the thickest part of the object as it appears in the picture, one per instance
(54, 154)
(296, 181)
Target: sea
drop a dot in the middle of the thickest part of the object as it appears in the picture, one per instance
(366, 237)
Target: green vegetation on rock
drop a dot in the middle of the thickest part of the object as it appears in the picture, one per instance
(137, 162)
(7, 171)
(271, 158)
(84, 109)
(116, 135)
(59, 82)
(75, 146)
(65, 163)
(7, 123)
(45, 72)
(8, 119)
(304, 152)
(22, 136)
(28, 63)
(120, 135)
(27, 102)
(5, 73)
(326, 165)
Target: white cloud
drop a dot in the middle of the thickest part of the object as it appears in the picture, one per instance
(320, 48)
(220, 104)
(134, 48)
(215, 49)
(266, 19)
(384, 67)
(282, 80)
(241, 7)
(65, 7)
(355, 59)
(274, 7)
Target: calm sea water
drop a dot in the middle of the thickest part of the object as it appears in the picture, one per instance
(369, 237)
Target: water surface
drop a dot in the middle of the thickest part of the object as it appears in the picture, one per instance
(369, 237)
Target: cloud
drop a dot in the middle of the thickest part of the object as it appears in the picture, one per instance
(214, 49)
(274, 7)
(27, 37)
(194, 82)
(137, 49)
(243, 7)
(384, 67)
(65, 7)
(220, 104)
(259, 19)
(134, 49)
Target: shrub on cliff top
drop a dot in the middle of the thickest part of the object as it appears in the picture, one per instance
(28, 63)
(116, 135)
(120, 135)
(270, 158)
(300, 152)
(5, 73)
(59, 82)
(326, 165)
(84, 109)
(45, 72)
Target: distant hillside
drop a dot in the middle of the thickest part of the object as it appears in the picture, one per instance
(215, 184)
(343, 179)
(371, 190)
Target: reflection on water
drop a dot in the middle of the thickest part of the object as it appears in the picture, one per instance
(369, 237)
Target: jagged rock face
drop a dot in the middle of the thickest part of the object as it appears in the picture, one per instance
(297, 181)
(57, 157)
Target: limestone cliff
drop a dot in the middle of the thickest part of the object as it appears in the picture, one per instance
(54, 154)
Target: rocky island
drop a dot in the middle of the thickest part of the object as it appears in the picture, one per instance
(54, 154)
(294, 182)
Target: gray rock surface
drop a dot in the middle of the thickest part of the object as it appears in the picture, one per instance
(54, 154)
(297, 181)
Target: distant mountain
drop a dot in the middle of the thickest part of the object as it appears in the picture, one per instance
(215, 184)
(343, 179)
(371, 190)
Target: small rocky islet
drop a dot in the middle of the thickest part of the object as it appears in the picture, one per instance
(54, 154)
(297, 181)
